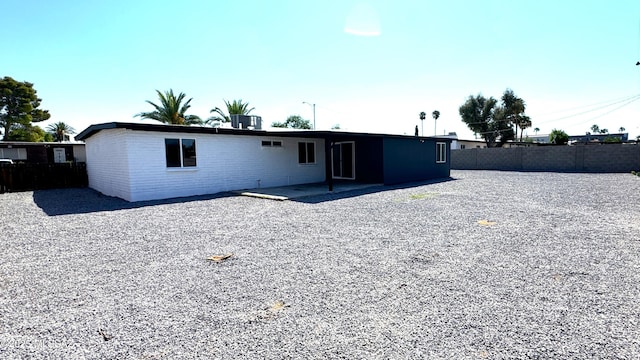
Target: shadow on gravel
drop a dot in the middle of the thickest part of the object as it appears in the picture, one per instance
(316, 199)
(85, 200)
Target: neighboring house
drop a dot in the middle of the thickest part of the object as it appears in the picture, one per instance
(586, 138)
(471, 144)
(42, 152)
(457, 144)
(136, 161)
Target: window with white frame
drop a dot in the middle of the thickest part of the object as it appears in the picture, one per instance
(180, 152)
(306, 152)
(441, 152)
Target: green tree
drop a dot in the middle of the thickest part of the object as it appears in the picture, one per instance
(171, 110)
(335, 127)
(435, 115)
(612, 139)
(30, 133)
(536, 130)
(513, 112)
(422, 115)
(595, 129)
(60, 131)
(558, 137)
(293, 122)
(484, 118)
(604, 131)
(19, 107)
(622, 129)
(237, 107)
(524, 122)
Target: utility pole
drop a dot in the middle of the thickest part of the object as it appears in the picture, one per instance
(314, 113)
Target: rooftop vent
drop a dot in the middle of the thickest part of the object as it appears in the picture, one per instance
(246, 122)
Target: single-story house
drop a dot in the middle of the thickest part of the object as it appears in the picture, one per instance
(137, 161)
(43, 152)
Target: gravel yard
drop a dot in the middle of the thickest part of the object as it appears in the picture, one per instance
(490, 265)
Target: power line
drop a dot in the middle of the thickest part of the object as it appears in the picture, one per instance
(626, 100)
(610, 111)
(596, 104)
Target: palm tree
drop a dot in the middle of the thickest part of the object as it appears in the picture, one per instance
(60, 131)
(435, 114)
(524, 122)
(622, 129)
(423, 116)
(237, 107)
(171, 110)
(595, 129)
(514, 108)
(536, 130)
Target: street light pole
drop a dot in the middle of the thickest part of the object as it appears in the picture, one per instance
(314, 113)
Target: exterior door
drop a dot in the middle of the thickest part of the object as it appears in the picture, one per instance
(59, 155)
(343, 162)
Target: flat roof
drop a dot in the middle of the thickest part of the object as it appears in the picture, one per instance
(320, 134)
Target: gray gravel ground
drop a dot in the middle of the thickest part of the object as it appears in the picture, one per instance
(398, 273)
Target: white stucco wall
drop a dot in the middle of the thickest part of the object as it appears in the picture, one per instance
(224, 162)
(108, 164)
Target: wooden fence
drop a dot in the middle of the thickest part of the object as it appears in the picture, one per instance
(23, 177)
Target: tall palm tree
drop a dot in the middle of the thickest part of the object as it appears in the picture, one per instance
(536, 130)
(423, 115)
(60, 131)
(171, 110)
(514, 109)
(524, 122)
(237, 107)
(435, 114)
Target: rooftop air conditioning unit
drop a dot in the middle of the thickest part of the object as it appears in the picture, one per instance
(246, 122)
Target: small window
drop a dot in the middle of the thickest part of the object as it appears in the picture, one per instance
(180, 152)
(441, 152)
(306, 152)
(463, 147)
(277, 143)
(266, 143)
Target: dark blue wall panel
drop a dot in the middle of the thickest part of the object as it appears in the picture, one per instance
(412, 159)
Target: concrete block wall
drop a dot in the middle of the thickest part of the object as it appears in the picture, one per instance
(580, 158)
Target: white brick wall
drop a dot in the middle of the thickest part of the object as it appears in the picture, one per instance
(107, 163)
(224, 162)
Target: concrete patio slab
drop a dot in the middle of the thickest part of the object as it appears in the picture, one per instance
(292, 192)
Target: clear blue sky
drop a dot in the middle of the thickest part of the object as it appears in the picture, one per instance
(98, 61)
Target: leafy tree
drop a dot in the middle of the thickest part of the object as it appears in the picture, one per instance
(335, 127)
(536, 130)
(293, 122)
(622, 129)
(171, 110)
(612, 139)
(19, 107)
(30, 133)
(237, 107)
(484, 118)
(558, 137)
(595, 129)
(604, 131)
(60, 131)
